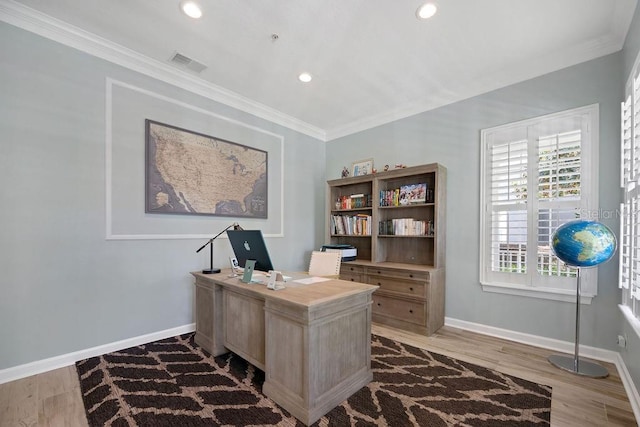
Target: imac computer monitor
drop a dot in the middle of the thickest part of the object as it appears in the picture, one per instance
(249, 244)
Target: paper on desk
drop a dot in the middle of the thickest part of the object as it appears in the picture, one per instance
(310, 280)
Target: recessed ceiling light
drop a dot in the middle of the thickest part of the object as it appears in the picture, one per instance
(191, 9)
(427, 10)
(305, 77)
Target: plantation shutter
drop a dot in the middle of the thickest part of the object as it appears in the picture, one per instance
(508, 206)
(536, 175)
(559, 194)
(629, 244)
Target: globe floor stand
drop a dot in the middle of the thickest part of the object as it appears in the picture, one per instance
(574, 364)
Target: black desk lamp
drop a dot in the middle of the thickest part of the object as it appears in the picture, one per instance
(212, 270)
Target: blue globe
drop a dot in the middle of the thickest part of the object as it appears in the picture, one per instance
(583, 243)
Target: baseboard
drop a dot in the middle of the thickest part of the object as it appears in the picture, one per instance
(629, 386)
(538, 341)
(560, 346)
(37, 367)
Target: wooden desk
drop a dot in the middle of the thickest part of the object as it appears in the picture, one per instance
(312, 341)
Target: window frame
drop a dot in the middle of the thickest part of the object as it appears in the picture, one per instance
(535, 285)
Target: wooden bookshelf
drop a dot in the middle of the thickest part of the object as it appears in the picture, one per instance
(404, 253)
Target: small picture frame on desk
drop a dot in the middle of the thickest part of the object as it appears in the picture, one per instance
(362, 167)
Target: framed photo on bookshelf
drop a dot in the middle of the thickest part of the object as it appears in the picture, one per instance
(362, 167)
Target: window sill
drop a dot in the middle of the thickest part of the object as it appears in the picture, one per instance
(531, 292)
(631, 319)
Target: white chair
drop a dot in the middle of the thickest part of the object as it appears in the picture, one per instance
(325, 264)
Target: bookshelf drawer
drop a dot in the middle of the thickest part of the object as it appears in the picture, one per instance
(407, 287)
(400, 273)
(350, 277)
(346, 268)
(413, 312)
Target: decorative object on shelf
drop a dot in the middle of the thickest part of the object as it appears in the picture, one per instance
(374, 170)
(582, 244)
(184, 170)
(386, 168)
(362, 167)
(212, 270)
(345, 172)
(400, 166)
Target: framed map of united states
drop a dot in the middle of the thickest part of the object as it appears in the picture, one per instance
(191, 173)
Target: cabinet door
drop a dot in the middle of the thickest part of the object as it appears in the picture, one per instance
(244, 327)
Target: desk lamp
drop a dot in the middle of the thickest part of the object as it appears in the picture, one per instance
(212, 270)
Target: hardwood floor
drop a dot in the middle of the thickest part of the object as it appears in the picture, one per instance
(53, 398)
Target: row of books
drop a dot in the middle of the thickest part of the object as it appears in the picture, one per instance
(354, 201)
(405, 227)
(407, 195)
(351, 225)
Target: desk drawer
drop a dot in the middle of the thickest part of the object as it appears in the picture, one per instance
(407, 287)
(409, 311)
(399, 274)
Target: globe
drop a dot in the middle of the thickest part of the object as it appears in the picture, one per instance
(583, 243)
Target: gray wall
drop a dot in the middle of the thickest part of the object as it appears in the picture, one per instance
(64, 287)
(631, 354)
(450, 135)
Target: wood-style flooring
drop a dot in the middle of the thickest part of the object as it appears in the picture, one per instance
(53, 398)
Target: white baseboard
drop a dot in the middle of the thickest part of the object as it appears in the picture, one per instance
(560, 346)
(39, 366)
(538, 341)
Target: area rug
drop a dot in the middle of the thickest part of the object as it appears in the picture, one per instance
(173, 382)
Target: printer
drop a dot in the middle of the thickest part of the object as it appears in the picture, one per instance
(349, 253)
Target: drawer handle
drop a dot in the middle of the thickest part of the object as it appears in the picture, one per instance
(351, 268)
(378, 271)
(352, 280)
(411, 275)
(411, 289)
(379, 284)
(379, 304)
(410, 311)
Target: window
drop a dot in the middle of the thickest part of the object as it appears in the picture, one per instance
(629, 244)
(535, 176)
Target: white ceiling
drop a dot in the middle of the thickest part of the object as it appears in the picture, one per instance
(372, 60)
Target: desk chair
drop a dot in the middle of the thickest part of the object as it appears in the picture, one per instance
(325, 264)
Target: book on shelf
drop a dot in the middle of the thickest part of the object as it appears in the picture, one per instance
(405, 227)
(353, 201)
(351, 225)
(410, 194)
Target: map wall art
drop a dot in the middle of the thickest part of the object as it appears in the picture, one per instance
(191, 173)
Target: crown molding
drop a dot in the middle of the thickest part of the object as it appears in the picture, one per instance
(51, 28)
(46, 26)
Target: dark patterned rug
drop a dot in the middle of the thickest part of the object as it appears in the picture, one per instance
(173, 382)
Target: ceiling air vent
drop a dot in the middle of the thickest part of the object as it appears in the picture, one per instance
(186, 62)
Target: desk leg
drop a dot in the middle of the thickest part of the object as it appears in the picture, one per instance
(209, 327)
